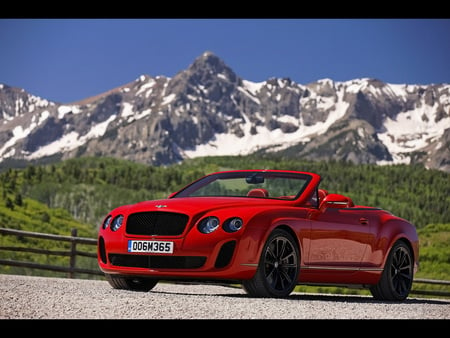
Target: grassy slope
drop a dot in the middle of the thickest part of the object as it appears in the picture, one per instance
(34, 216)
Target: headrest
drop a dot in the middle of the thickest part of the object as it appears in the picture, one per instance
(258, 192)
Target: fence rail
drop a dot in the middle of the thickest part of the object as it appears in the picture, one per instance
(430, 292)
(73, 253)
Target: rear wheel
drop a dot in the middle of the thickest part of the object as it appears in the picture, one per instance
(278, 267)
(397, 278)
(131, 283)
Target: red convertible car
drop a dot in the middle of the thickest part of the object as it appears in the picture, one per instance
(267, 230)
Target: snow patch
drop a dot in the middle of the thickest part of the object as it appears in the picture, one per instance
(127, 110)
(281, 83)
(409, 132)
(246, 93)
(360, 132)
(63, 110)
(168, 99)
(42, 102)
(230, 144)
(288, 119)
(44, 116)
(141, 115)
(18, 133)
(326, 81)
(357, 85)
(146, 87)
(252, 87)
(71, 140)
(397, 90)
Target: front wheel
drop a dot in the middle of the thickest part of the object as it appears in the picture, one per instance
(278, 267)
(397, 277)
(131, 283)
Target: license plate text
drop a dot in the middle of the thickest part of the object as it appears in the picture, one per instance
(150, 246)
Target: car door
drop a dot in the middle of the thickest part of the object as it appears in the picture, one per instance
(339, 236)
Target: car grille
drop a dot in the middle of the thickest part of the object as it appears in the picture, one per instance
(156, 223)
(157, 262)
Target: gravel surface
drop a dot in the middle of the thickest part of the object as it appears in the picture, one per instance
(25, 297)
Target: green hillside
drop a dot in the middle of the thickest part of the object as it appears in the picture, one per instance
(30, 215)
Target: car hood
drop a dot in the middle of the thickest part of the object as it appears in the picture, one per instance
(193, 205)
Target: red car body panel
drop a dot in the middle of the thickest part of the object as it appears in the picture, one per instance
(339, 242)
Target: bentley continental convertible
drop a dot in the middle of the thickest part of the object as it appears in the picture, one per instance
(267, 230)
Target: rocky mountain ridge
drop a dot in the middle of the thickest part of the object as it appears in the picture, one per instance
(207, 109)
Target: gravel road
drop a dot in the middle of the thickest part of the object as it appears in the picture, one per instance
(25, 297)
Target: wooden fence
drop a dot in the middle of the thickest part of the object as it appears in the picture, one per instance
(73, 253)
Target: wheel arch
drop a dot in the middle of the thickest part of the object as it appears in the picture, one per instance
(288, 229)
(408, 243)
(269, 230)
(397, 229)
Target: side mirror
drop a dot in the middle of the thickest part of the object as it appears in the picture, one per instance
(336, 201)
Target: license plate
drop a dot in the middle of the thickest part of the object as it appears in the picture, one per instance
(150, 246)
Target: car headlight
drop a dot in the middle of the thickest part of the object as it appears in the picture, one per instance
(117, 223)
(106, 222)
(208, 224)
(233, 224)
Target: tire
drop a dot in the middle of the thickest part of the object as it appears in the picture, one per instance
(131, 283)
(397, 277)
(278, 268)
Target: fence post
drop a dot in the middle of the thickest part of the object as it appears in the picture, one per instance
(73, 253)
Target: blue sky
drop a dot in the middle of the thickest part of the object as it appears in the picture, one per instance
(66, 60)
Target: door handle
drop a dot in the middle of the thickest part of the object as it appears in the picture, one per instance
(363, 221)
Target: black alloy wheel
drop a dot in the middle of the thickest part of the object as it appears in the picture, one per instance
(397, 278)
(278, 270)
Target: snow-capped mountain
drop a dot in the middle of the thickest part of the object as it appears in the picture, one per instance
(207, 109)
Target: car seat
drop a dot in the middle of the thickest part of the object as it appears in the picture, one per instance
(258, 192)
(322, 194)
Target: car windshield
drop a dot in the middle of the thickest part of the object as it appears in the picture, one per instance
(256, 184)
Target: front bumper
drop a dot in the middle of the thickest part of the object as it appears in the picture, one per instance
(222, 258)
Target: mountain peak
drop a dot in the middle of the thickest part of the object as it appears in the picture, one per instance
(209, 64)
(208, 54)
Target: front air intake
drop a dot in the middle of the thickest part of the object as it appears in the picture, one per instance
(225, 254)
